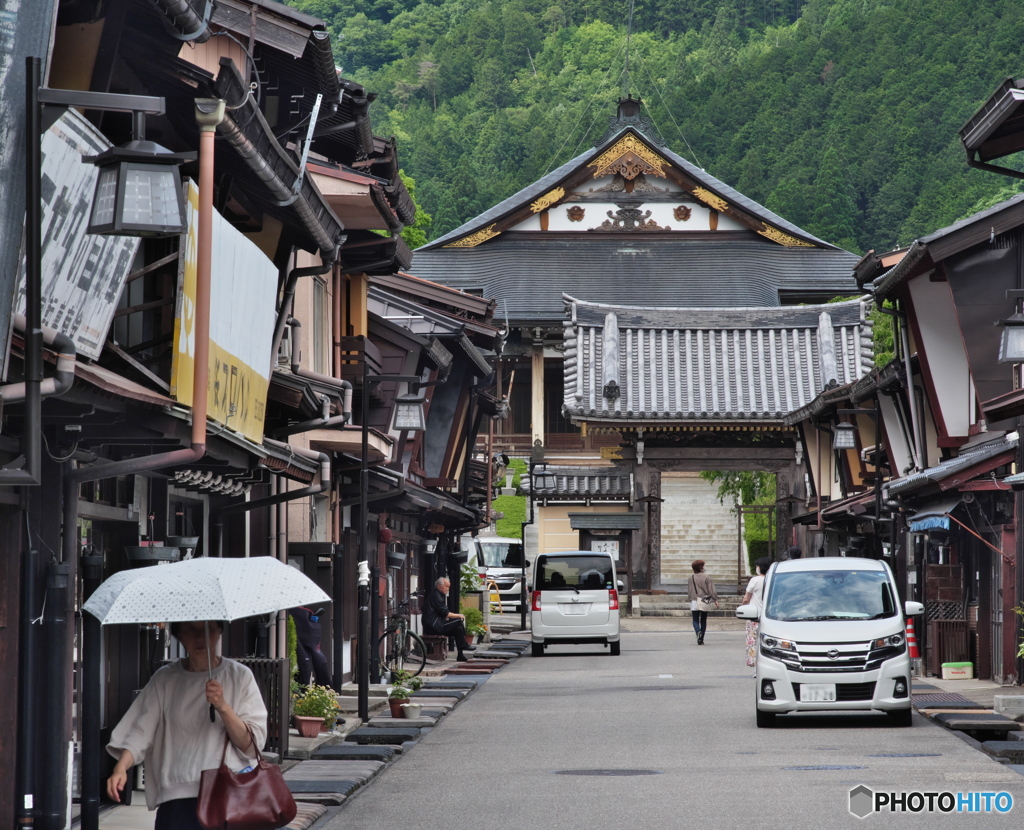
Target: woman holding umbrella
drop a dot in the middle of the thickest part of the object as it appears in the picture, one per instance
(167, 726)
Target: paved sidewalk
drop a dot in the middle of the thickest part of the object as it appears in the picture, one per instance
(324, 770)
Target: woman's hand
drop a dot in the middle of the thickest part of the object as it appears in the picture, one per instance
(215, 695)
(119, 777)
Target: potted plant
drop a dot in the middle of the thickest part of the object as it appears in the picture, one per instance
(402, 686)
(316, 710)
(474, 623)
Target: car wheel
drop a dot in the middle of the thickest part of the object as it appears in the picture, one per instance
(615, 648)
(901, 717)
(765, 720)
(537, 649)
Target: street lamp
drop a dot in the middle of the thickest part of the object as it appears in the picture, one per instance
(844, 437)
(138, 189)
(409, 415)
(1011, 344)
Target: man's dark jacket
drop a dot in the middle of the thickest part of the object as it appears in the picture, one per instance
(435, 612)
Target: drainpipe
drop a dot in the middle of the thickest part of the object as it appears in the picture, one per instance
(62, 379)
(209, 112)
(328, 380)
(288, 295)
(319, 485)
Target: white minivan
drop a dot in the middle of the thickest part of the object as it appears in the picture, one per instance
(501, 562)
(574, 600)
(832, 637)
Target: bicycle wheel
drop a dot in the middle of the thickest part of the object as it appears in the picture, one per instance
(392, 657)
(415, 656)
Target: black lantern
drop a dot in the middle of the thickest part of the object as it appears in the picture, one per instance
(1011, 344)
(408, 414)
(138, 191)
(844, 437)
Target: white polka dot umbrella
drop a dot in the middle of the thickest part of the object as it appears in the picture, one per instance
(202, 589)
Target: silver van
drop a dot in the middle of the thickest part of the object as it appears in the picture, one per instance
(832, 638)
(574, 600)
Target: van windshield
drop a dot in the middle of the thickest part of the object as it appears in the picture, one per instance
(502, 554)
(830, 595)
(584, 572)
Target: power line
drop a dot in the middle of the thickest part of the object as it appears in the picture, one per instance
(669, 111)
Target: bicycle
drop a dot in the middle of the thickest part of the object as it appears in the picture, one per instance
(400, 648)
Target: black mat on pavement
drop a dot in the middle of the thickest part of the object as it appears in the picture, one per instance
(353, 752)
(328, 786)
(374, 735)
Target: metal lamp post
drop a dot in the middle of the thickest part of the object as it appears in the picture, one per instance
(408, 416)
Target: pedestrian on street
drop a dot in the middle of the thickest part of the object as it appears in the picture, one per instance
(755, 594)
(437, 619)
(168, 727)
(702, 597)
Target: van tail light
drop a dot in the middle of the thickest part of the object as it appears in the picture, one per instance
(536, 601)
(613, 600)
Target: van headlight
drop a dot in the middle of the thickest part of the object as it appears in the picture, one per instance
(784, 650)
(885, 648)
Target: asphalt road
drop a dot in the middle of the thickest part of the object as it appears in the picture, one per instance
(666, 732)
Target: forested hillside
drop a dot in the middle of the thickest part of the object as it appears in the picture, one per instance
(840, 115)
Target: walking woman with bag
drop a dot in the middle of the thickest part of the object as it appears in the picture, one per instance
(755, 594)
(703, 598)
(168, 726)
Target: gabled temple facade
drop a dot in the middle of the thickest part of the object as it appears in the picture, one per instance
(626, 223)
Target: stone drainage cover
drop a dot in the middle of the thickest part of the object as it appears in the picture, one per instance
(607, 772)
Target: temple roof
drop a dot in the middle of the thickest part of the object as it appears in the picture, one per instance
(674, 234)
(661, 366)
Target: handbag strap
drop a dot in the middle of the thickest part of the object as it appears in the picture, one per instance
(252, 740)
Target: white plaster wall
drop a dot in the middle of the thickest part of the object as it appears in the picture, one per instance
(597, 212)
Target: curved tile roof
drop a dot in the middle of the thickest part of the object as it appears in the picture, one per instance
(677, 365)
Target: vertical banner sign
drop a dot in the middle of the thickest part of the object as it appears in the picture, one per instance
(25, 30)
(83, 274)
(242, 316)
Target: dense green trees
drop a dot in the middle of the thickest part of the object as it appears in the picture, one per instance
(841, 115)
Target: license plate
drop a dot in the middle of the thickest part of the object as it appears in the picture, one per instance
(817, 691)
(571, 610)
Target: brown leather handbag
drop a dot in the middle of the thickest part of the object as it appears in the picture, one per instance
(256, 800)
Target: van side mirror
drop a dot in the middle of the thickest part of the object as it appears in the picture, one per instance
(747, 612)
(913, 609)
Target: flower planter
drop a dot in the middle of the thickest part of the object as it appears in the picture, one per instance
(411, 710)
(395, 560)
(308, 727)
(396, 707)
(143, 556)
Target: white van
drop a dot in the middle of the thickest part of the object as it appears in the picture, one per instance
(574, 600)
(832, 637)
(500, 560)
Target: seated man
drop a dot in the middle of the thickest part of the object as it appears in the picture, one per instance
(437, 619)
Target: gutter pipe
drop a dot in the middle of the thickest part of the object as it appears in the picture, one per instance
(288, 295)
(209, 113)
(62, 379)
(343, 385)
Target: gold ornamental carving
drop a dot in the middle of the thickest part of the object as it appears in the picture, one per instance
(611, 453)
(547, 200)
(474, 239)
(775, 235)
(630, 157)
(710, 199)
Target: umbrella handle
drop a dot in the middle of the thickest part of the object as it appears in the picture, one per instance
(211, 713)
